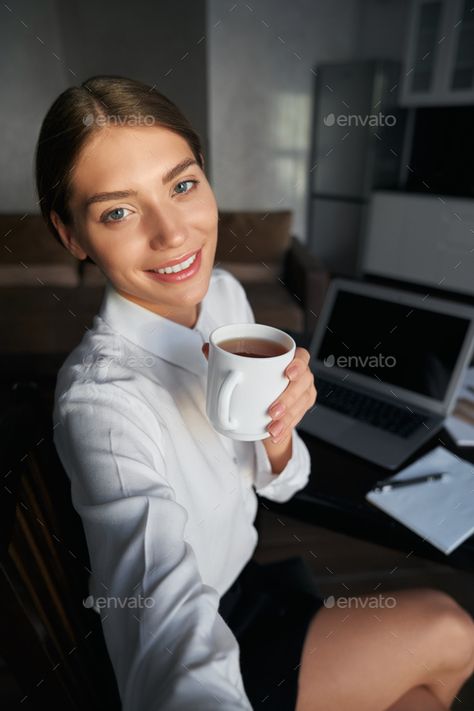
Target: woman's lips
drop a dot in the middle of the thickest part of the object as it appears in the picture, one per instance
(174, 262)
(178, 276)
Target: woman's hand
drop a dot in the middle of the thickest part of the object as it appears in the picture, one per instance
(298, 397)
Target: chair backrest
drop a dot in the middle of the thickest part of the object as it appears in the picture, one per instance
(50, 642)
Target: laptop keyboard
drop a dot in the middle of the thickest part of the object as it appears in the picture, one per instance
(365, 408)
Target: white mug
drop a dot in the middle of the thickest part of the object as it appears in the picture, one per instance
(240, 389)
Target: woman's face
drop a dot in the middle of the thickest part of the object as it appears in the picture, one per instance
(160, 211)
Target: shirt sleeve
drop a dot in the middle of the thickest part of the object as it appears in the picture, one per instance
(281, 487)
(278, 487)
(169, 647)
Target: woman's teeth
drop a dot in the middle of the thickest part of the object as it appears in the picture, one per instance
(177, 267)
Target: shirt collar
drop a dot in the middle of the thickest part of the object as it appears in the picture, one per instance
(175, 343)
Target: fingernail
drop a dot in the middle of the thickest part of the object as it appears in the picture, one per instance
(277, 410)
(277, 429)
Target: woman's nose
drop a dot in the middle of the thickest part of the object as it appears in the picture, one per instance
(167, 231)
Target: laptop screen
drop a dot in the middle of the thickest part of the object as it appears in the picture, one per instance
(408, 347)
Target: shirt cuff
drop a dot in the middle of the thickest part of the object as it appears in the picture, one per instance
(295, 476)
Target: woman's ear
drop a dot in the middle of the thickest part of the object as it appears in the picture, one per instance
(66, 234)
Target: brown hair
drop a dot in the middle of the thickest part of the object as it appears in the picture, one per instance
(77, 114)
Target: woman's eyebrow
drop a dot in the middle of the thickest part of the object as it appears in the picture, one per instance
(119, 194)
(174, 172)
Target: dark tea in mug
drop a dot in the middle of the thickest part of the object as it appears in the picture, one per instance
(253, 347)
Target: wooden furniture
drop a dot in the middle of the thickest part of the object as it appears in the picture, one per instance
(50, 643)
(439, 58)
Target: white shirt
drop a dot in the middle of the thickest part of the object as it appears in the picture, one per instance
(167, 503)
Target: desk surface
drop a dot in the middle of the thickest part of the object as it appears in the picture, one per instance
(335, 498)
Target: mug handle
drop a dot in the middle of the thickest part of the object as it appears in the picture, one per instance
(224, 396)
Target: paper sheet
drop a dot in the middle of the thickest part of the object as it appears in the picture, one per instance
(441, 512)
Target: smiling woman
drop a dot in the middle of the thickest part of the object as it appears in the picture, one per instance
(121, 181)
(167, 503)
(130, 195)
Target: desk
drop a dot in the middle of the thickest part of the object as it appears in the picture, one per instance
(335, 498)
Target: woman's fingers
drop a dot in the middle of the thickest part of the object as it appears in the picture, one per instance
(280, 426)
(298, 365)
(298, 397)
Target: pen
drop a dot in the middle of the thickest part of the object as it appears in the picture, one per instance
(399, 483)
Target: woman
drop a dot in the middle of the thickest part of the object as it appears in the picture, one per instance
(167, 503)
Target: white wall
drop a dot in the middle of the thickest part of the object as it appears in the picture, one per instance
(382, 30)
(261, 57)
(48, 45)
(30, 76)
(257, 102)
(153, 41)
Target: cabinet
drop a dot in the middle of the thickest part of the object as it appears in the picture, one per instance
(439, 61)
(356, 147)
(420, 239)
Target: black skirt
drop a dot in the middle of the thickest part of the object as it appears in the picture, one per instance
(269, 608)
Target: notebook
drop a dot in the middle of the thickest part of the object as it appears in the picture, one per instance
(441, 512)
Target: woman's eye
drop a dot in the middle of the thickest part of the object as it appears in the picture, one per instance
(115, 215)
(185, 182)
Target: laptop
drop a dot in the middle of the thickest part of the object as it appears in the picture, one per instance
(387, 365)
